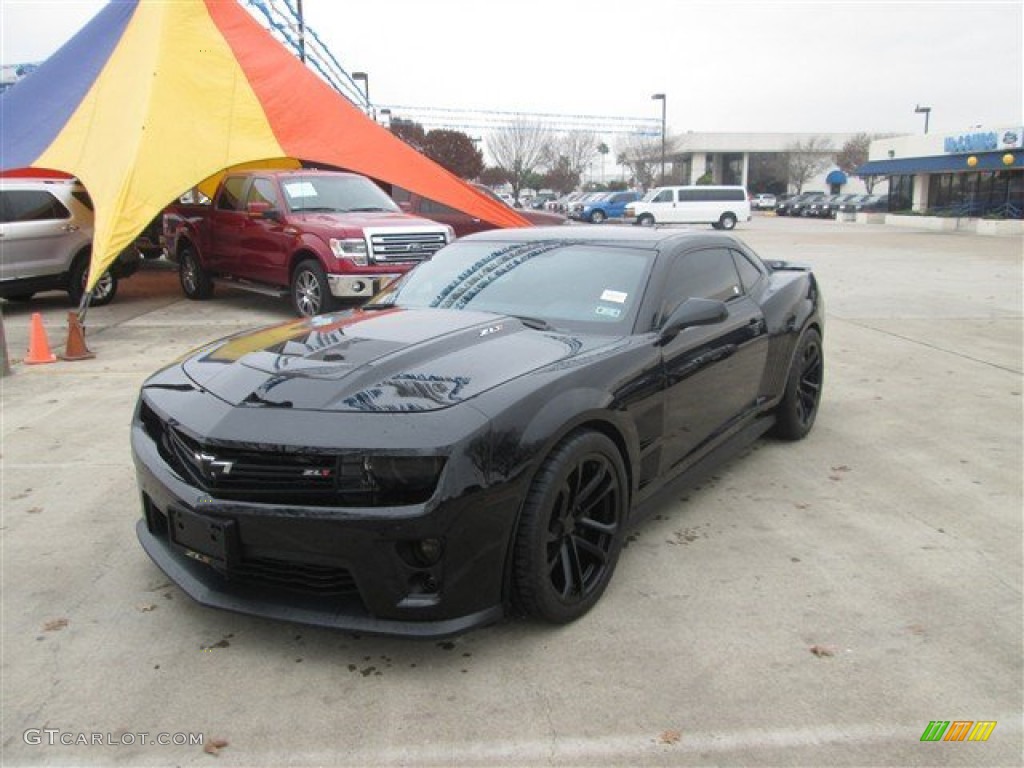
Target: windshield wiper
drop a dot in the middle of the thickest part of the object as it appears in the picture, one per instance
(366, 209)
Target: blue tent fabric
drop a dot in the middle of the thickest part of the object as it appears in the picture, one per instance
(33, 117)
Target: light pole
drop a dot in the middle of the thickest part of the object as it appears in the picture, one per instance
(661, 97)
(366, 88)
(926, 111)
(385, 113)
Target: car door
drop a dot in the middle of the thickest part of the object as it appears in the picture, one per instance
(263, 243)
(712, 372)
(663, 206)
(33, 227)
(227, 220)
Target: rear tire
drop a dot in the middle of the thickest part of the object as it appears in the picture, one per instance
(571, 530)
(102, 293)
(310, 291)
(799, 407)
(195, 281)
(727, 222)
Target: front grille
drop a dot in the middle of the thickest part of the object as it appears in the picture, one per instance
(388, 247)
(300, 577)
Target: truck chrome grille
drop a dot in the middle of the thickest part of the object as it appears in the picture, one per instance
(390, 247)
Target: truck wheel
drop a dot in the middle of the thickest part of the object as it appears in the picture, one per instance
(195, 281)
(728, 221)
(645, 220)
(311, 295)
(596, 217)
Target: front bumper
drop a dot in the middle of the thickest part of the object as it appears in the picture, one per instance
(333, 566)
(358, 286)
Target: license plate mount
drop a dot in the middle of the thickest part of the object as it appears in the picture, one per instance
(210, 540)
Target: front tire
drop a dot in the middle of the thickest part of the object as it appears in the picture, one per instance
(645, 220)
(311, 294)
(195, 281)
(799, 406)
(596, 217)
(571, 530)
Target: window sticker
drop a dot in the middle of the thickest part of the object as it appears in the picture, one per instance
(608, 311)
(619, 297)
(297, 189)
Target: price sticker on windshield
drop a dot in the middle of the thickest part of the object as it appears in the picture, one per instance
(619, 297)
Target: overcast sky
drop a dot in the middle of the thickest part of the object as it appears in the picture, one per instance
(725, 66)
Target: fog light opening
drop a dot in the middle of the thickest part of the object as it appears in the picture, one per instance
(428, 551)
(358, 286)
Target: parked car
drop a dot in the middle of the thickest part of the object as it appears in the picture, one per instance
(795, 205)
(463, 223)
(540, 201)
(319, 237)
(609, 206)
(576, 208)
(46, 229)
(483, 434)
(825, 207)
(867, 204)
(763, 201)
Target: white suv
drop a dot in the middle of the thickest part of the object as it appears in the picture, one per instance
(46, 230)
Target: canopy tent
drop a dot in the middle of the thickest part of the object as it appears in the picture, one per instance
(152, 97)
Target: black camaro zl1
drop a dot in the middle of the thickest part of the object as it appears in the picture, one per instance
(478, 438)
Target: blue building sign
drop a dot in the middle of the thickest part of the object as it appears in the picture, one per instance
(983, 141)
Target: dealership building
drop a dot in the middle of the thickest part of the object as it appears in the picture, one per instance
(757, 161)
(978, 172)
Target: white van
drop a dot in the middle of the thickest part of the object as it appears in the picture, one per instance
(721, 207)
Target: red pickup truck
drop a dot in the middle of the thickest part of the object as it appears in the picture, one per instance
(321, 236)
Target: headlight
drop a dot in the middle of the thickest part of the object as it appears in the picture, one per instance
(392, 480)
(352, 248)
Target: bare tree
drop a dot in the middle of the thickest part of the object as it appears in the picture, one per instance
(572, 151)
(855, 153)
(519, 149)
(642, 155)
(807, 158)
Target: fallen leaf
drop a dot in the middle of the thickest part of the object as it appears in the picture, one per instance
(146, 607)
(670, 737)
(841, 468)
(55, 624)
(822, 650)
(215, 746)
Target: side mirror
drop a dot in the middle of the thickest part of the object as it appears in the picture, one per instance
(692, 312)
(261, 210)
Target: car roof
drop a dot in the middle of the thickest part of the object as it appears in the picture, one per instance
(641, 237)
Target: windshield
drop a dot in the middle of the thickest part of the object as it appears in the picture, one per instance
(335, 194)
(566, 285)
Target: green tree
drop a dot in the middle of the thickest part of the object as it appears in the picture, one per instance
(455, 151)
(410, 132)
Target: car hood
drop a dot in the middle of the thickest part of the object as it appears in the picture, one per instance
(390, 360)
(364, 219)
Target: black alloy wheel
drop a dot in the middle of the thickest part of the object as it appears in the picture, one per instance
(571, 530)
(799, 405)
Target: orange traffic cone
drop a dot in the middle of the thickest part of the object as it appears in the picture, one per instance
(76, 349)
(38, 345)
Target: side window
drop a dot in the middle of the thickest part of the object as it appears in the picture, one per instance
(432, 206)
(400, 195)
(705, 274)
(735, 194)
(749, 274)
(33, 205)
(230, 198)
(262, 191)
(688, 195)
(665, 196)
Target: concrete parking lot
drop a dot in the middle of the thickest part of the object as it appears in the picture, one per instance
(817, 603)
